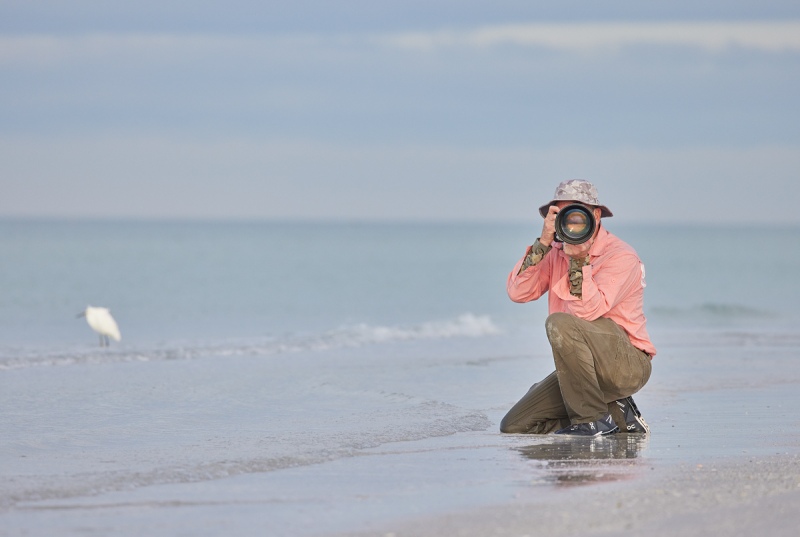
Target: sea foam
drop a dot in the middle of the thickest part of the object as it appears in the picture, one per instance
(466, 325)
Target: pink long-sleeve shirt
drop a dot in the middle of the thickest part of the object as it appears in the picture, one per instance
(613, 286)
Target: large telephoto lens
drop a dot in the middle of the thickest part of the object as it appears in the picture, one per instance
(575, 224)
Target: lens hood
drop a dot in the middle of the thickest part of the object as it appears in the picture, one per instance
(575, 224)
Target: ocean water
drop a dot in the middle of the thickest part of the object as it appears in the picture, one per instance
(270, 371)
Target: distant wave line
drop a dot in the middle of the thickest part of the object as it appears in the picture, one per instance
(351, 336)
(713, 310)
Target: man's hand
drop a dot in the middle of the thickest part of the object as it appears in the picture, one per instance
(575, 251)
(549, 227)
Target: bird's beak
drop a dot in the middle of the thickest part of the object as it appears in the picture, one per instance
(81, 314)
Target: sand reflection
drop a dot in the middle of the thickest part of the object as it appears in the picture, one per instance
(582, 461)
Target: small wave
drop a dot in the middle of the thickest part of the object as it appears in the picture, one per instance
(728, 338)
(426, 419)
(713, 311)
(466, 325)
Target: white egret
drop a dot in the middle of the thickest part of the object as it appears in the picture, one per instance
(103, 323)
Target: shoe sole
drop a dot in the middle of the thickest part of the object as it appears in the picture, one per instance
(612, 431)
(595, 435)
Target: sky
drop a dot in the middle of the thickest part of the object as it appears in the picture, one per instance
(437, 110)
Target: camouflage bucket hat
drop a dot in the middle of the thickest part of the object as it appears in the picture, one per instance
(577, 190)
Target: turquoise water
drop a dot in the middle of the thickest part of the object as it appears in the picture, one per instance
(256, 355)
(211, 282)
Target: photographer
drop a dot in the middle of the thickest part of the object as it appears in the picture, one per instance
(596, 326)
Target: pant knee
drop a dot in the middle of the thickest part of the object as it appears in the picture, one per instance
(556, 325)
(508, 426)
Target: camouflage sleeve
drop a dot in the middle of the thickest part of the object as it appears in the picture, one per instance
(576, 276)
(537, 252)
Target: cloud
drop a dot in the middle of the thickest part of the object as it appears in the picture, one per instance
(157, 48)
(575, 37)
(466, 124)
(710, 36)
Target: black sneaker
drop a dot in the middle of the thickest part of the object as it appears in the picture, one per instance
(634, 422)
(593, 428)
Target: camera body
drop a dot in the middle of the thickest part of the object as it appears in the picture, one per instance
(575, 224)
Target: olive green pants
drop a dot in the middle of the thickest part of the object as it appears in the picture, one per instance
(596, 364)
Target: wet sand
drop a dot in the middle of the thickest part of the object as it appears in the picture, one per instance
(743, 497)
(719, 462)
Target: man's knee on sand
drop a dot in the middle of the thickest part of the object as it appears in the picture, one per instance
(508, 426)
(540, 426)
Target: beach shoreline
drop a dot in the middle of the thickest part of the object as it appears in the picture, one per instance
(723, 452)
(682, 479)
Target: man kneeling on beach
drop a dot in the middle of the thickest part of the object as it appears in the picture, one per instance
(596, 326)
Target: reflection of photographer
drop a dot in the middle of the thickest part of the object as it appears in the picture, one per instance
(596, 325)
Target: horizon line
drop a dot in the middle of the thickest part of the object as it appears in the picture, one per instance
(715, 224)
